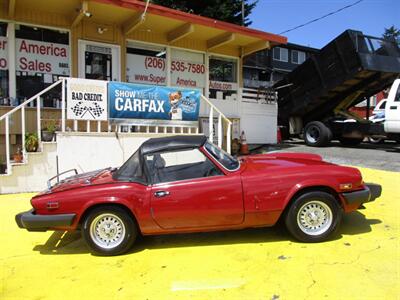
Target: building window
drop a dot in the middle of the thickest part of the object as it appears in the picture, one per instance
(4, 93)
(255, 78)
(223, 78)
(298, 57)
(280, 54)
(187, 69)
(146, 64)
(42, 56)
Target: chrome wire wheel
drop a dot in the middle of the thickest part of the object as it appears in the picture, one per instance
(314, 217)
(107, 231)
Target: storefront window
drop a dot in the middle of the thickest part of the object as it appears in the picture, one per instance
(4, 94)
(187, 69)
(146, 64)
(223, 78)
(42, 56)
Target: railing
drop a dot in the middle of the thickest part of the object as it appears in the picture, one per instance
(117, 127)
(22, 107)
(260, 95)
(221, 117)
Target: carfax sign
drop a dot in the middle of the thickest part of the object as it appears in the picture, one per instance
(134, 101)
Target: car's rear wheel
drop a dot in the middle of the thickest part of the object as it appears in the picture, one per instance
(313, 216)
(109, 230)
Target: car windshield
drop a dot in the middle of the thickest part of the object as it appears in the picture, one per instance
(131, 170)
(225, 159)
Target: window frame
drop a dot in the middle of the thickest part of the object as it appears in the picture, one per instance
(280, 54)
(151, 182)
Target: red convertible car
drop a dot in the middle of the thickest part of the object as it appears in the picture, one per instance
(186, 184)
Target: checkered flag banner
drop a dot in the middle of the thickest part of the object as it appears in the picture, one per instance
(97, 110)
(87, 99)
(79, 109)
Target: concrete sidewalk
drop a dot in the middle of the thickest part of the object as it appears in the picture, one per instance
(265, 263)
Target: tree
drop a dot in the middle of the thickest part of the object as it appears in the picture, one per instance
(391, 33)
(223, 10)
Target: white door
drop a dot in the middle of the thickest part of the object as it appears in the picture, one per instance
(99, 61)
(392, 109)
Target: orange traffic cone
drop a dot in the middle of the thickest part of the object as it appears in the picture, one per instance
(244, 148)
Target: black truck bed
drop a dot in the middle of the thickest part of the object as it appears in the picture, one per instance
(348, 69)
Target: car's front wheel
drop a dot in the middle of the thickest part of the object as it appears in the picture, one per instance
(313, 216)
(109, 230)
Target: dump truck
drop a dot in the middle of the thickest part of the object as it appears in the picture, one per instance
(313, 100)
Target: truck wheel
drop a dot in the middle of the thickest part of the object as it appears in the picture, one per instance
(109, 230)
(350, 141)
(378, 140)
(316, 134)
(313, 217)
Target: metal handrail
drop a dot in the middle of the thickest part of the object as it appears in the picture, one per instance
(31, 99)
(21, 107)
(220, 129)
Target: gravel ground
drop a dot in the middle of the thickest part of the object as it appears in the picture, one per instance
(382, 156)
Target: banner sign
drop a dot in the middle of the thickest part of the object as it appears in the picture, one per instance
(86, 99)
(42, 57)
(3, 53)
(146, 69)
(134, 101)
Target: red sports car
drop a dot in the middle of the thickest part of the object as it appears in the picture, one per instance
(186, 184)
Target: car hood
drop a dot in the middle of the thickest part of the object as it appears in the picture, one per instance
(100, 176)
(281, 159)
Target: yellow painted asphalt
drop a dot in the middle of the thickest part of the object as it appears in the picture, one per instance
(362, 262)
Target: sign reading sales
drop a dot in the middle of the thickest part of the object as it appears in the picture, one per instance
(86, 99)
(42, 57)
(3, 53)
(134, 101)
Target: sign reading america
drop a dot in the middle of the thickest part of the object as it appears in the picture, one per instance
(87, 99)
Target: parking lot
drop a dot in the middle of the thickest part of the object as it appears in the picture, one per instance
(383, 156)
(362, 262)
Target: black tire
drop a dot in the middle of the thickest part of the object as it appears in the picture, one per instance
(349, 142)
(316, 134)
(376, 141)
(321, 205)
(119, 224)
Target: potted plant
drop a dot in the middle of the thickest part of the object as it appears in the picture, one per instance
(18, 157)
(49, 131)
(31, 142)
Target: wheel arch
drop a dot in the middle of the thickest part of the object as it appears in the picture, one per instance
(311, 188)
(90, 208)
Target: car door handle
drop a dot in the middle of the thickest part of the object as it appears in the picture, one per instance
(393, 107)
(161, 194)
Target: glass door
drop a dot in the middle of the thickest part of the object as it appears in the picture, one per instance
(99, 61)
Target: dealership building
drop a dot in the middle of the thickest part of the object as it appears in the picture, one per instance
(130, 41)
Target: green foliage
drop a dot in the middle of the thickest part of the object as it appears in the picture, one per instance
(223, 10)
(31, 142)
(51, 126)
(391, 33)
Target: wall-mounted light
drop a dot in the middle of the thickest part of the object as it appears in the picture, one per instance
(87, 14)
(101, 30)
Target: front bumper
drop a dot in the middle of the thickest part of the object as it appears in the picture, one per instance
(33, 222)
(370, 193)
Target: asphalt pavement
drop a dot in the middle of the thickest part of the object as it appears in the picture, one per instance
(384, 156)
